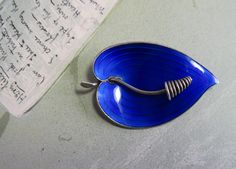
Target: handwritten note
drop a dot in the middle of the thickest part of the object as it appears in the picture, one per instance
(38, 39)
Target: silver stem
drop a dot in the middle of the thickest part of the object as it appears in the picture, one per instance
(144, 92)
(88, 84)
(172, 88)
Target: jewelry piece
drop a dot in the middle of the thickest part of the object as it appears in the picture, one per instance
(135, 78)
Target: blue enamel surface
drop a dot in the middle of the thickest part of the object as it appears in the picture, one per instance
(147, 66)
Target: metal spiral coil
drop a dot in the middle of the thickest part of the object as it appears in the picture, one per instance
(175, 87)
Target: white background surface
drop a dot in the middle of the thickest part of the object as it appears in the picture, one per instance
(65, 130)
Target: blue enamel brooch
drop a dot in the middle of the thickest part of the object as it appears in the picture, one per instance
(144, 85)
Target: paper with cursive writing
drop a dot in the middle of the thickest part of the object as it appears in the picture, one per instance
(38, 39)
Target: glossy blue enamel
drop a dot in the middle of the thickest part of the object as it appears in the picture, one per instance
(147, 66)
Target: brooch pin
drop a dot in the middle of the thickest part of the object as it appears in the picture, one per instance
(144, 85)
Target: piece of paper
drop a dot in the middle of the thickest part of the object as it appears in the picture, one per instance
(38, 39)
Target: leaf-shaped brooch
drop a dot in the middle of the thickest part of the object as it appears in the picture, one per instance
(144, 85)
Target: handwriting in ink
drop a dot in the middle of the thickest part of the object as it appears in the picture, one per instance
(66, 3)
(52, 2)
(3, 78)
(52, 58)
(17, 92)
(7, 19)
(97, 6)
(11, 44)
(35, 38)
(20, 55)
(42, 45)
(30, 57)
(59, 10)
(23, 22)
(16, 70)
(30, 52)
(3, 53)
(1, 21)
(15, 6)
(71, 38)
(37, 4)
(66, 31)
(50, 36)
(56, 21)
(22, 43)
(38, 76)
(13, 68)
(22, 69)
(46, 14)
(16, 32)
